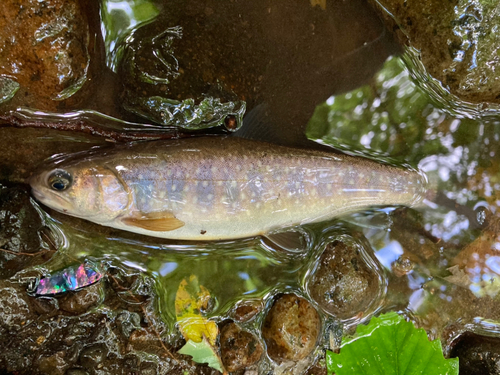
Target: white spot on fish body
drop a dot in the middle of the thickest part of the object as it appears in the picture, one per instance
(205, 183)
(140, 177)
(174, 187)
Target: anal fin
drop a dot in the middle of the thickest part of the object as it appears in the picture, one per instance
(154, 221)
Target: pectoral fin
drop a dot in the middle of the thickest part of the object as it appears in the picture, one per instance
(155, 221)
(293, 240)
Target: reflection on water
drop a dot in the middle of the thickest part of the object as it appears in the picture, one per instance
(440, 263)
(394, 118)
(118, 19)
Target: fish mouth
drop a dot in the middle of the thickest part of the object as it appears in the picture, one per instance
(50, 199)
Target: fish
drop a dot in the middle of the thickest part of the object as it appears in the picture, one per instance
(219, 188)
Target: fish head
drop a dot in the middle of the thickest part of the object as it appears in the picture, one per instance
(84, 190)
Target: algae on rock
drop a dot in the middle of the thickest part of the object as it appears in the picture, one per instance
(457, 42)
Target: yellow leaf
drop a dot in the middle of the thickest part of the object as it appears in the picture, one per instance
(191, 300)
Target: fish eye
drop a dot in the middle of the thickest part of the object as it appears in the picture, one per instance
(59, 180)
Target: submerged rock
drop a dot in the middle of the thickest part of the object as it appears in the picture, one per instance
(15, 309)
(44, 49)
(70, 334)
(81, 301)
(239, 348)
(457, 42)
(246, 310)
(21, 231)
(478, 355)
(291, 328)
(344, 284)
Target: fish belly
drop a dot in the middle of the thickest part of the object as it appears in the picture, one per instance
(225, 189)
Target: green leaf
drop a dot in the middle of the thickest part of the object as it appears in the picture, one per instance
(202, 352)
(390, 345)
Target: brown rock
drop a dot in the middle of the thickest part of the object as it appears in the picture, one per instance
(343, 284)
(246, 310)
(55, 364)
(81, 301)
(291, 328)
(239, 348)
(44, 47)
(455, 39)
(14, 307)
(21, 231)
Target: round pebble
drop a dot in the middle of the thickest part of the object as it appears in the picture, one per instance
(291, 328)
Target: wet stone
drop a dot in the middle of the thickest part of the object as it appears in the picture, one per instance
(15, 310)
(246, 310)
(402, 266)
(92, 356)
(36, 339)
(342, 284)
(456, 40)
(55, 364)
(128, 322)
(477, 355)
(56, 62)
(239, 348)
(76, 371)
(21, 231)
(81, 301)
(291, 328)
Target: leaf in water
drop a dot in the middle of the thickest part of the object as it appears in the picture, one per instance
(191, 300)
(458, 277)
(202, 352)
(390, 345)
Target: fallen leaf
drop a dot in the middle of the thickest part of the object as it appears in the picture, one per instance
(202, 352)
(191, 300)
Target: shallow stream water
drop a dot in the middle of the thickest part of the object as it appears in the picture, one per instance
(333, 74)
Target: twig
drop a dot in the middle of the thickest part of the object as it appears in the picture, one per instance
(27, 254)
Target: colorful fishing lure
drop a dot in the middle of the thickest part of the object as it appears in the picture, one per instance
(71, 278)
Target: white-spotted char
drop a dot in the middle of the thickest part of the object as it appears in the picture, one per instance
(218, 188)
